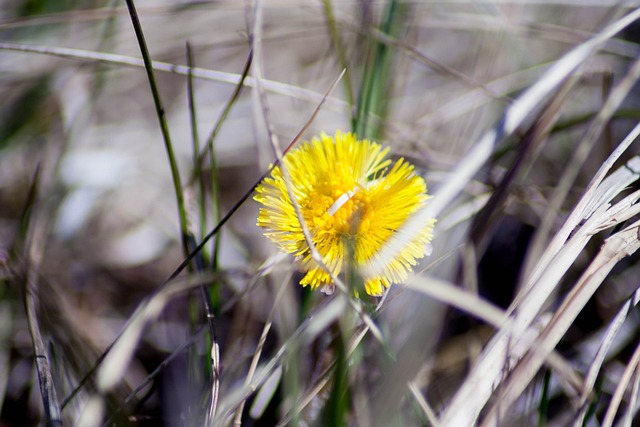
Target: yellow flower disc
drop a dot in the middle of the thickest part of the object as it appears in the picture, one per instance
(352, 200)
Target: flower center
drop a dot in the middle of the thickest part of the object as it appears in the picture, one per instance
(339, 209)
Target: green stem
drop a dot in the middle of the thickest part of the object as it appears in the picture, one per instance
(374, 89)
(543, 407)
(197, 165)
(164, 127)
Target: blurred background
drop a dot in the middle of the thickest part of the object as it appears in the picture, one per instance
(87, 200)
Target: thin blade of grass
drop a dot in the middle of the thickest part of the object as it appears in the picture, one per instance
(632, 406)
(485, 221)
(574, 165)
(375, 86)
(200, 73)
(543, 406)
(214, 291)
(265, 395)
(478, 388)
(209, 149)
(195, 140)
(629, 370)
(23, 248)
(594, 369)
(459, 298)
(164, 126)
(334, 411)
(427, 410)
(615, 248)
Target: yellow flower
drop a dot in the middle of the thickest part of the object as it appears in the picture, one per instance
(352, 200)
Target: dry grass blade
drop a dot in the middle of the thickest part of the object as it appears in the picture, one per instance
(528, 105)
(485, 222)
(632, 406)
(587, 203)
(427, 410)
(488, 371)
(598, 360)
(47, 386)
(165, 67)
(456, 297)
(29, 246)
(265, 395)
(629, 370)
(595, 198)
(615, 248)
(581, 152)
(92, 412)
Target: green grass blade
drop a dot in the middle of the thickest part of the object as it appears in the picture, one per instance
(162, 119)
(375, 86)
(543, 407)
(337, 407)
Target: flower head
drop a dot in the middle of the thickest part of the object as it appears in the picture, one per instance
(352, 199)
